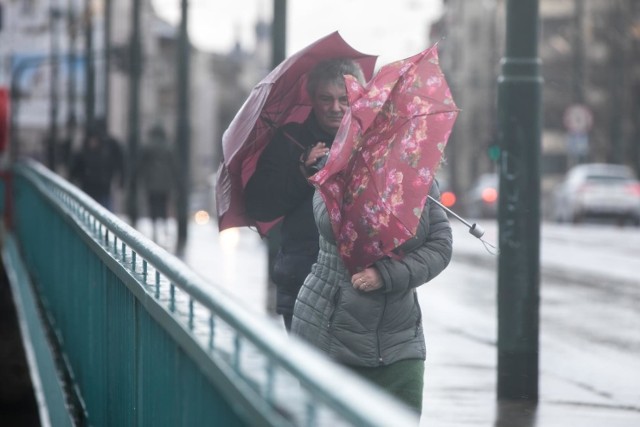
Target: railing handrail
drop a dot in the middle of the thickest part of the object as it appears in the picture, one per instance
(321, 377)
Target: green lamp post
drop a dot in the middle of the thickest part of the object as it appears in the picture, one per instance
(519, 115)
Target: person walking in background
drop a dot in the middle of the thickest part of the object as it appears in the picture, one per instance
(96, 165)
(158, 174)
(115, 146)
(279, 185)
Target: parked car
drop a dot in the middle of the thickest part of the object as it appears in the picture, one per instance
(482, 198)
(597, 190)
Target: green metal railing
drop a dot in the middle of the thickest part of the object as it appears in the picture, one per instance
(148, 342)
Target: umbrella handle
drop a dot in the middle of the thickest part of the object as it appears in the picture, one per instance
(474, 229)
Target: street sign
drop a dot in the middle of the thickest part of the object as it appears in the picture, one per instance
(578, 119)
(578, 144)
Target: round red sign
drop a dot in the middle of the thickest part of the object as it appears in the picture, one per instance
(578, 118)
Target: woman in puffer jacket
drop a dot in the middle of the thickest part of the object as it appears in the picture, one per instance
(371, 321)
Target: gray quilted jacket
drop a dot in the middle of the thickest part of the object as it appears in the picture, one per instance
(379, 327)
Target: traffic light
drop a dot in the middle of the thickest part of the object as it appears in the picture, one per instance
(494, 152)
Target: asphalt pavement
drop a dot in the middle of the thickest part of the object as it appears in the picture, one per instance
(461, 370)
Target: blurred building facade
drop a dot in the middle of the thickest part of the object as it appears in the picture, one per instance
(28, 32)
(469, 57)
(34, 31)
(590, 52)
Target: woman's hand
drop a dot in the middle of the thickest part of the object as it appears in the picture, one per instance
(367, 280)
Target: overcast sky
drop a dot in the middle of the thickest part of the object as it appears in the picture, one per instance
(392, 29)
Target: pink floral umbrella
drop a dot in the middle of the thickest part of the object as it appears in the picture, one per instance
(385, 156)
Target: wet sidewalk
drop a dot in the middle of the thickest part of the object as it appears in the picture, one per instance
(461, 370)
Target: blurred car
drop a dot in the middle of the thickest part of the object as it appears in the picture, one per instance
(597, 190)
(482, 198)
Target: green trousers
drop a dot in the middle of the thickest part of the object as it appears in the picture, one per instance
(403, 379)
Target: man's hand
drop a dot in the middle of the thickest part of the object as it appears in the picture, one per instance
(314, 154)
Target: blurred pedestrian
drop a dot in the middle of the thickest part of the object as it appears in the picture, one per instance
(97, 166)
(158, 174)
(279, 184)
(115, 146)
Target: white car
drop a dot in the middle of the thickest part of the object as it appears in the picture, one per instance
(598, 190)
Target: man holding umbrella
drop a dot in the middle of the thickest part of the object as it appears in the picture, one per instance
(279, 186)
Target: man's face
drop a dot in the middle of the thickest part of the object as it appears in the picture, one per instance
(329, 104)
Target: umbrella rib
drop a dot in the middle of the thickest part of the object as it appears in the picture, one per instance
(272, 125)
(292, 139)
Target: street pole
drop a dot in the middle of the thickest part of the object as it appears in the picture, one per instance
(279, 32)
(619, 88)
(519, 119)
(578, 52)
(52, 140)
(72, 27)
(108, 12)
(278, 54)
(182, 129)
(90, 72)
(135, 71)
(577, 155)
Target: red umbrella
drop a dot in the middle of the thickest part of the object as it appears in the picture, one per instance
(385, 156)
(279, 98)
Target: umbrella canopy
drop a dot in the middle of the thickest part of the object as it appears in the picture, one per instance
(384, 158)
(280, 98)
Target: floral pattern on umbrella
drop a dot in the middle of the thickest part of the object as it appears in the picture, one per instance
(385, 156)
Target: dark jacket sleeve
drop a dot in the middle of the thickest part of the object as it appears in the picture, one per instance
(277, 186)
(426, 261)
